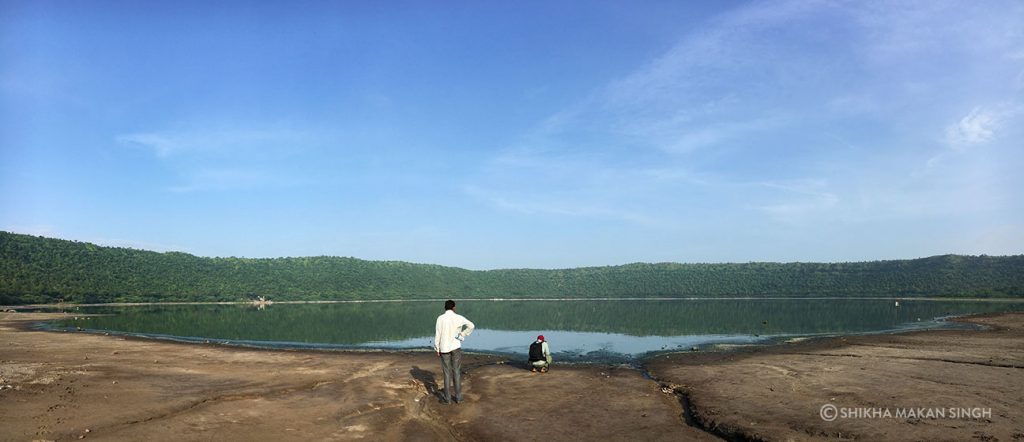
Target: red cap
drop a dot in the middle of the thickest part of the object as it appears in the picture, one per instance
(540, 338)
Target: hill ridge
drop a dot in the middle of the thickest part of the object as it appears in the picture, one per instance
(38, 270)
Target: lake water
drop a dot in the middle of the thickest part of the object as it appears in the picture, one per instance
(577, 330)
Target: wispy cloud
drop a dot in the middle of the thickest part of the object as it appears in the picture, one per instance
(583, 184)
(689, 139)
(799, 200)
(227, 159)
(226, 179)
(561, 205)
(631, 149)
(980, 126)
(977, 127)
(160, 144)
(745, 112)
(169, 144)
(895, 31)
(705, 57)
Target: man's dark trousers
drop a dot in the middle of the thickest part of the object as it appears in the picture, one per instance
(451, 365)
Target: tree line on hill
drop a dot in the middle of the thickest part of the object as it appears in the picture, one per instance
(45, 270)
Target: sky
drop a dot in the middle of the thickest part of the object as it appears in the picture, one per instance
(530, 134)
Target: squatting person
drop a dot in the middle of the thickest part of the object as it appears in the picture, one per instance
(540, 355)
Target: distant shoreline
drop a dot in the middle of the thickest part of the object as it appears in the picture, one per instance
(360, 301)
(941, 322)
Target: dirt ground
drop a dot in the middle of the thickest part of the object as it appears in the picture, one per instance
(70, 386)
(778, 392)
(64, 386)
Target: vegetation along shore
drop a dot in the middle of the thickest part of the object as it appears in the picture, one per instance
(45, 270)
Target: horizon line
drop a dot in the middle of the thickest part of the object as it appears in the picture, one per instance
(511, 268)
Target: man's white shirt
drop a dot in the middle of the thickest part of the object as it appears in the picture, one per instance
(449, 332)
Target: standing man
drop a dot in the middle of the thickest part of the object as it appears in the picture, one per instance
(449, 332)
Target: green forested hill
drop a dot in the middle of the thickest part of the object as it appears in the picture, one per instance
(36, 270)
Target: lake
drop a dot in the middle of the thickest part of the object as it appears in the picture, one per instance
(577, 330)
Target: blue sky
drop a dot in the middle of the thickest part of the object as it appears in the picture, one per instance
(529, 134)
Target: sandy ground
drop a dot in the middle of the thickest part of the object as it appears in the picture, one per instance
(777, 392)
(70, 386)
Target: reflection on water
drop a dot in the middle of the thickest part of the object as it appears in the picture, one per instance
(578, 329)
